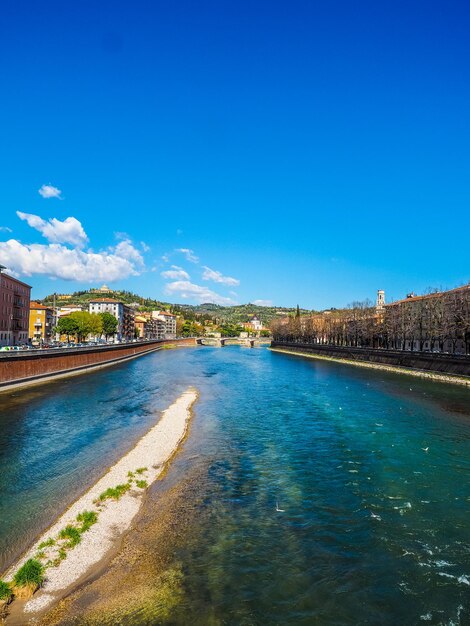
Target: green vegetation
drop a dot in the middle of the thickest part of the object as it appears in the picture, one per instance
(40, 555)
(141, 470)
(87, 519)
(72, 534)
(46, 544)
(5, 591)
(108, 324)
(114, 492)
(141, 484)
(29, 574)
(130, 474)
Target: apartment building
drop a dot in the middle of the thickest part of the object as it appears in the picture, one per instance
(124, 314)
(14, 310)
(170, 323)
(41, 323)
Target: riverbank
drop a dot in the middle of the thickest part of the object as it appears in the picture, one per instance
(114, 502)
(430, 375)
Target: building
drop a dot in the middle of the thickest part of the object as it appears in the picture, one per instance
(66, 310)
(14, 310)
(435, 322)
(41, 323)
(150, 327)
(102, 289)
(124, 315)
(253, 325)
(170, 323)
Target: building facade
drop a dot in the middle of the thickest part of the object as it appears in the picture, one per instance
(124, 314)
(14, 311)
(150, 327)
(170, 323)
(41, 323)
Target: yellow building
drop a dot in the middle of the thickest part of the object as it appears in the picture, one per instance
(41, 321)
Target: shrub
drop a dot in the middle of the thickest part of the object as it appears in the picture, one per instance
(115, 492)
(72, 534)
(141, 484)
(141, 470)
(5, 591)
(87, 519)
(31, 573)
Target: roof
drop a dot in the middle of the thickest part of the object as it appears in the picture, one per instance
(429, 296)
(38, 305)
(166, 313)
(111, 300)
(14, 279)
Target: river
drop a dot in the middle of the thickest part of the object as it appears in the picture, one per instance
(307, 492)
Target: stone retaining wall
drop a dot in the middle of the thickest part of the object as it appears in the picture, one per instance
(17, 367)
(424, 361)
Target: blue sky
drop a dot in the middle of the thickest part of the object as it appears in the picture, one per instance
(306, 152)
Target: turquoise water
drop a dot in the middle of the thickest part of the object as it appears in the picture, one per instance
(327, 494)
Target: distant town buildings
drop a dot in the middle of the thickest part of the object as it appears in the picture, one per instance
(41, 323)
(14, 310)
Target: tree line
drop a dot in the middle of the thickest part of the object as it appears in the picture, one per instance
(438, 322)
(80, 324)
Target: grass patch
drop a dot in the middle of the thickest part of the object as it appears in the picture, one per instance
(5, 591)
(31, 573)
(87, 519)
(141, 484)
(72, 534)
(114, 493)
(130, 474)
(141, 470)
(40, 555)
(46, 544)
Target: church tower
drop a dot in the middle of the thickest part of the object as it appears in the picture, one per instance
(380, 304)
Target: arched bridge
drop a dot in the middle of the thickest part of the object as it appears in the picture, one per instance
(224, 341)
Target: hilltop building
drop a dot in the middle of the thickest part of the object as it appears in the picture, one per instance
(102, 289)
(123, 313)
(41, 323)
(14, 310)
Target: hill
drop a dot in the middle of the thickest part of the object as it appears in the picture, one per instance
(208, 311)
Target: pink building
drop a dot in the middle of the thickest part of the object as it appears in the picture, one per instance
(14, 310)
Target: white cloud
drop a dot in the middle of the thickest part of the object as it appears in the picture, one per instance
(166, 258)
(69, 263)
(126, 250)
(58, 261)
(5, 229)
(55, 231)
(176, 273)
(188, 290)
(189, 254)
(217, 277)
(144, 246)
(263, 302)
(49, 191)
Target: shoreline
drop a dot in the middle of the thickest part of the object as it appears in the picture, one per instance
(139, 468)
(435, 376)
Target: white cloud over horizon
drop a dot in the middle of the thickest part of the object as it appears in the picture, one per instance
(5, 229)
(69, 231)
(217, 277)
(263, 302)
(49, 191)
(187, 290)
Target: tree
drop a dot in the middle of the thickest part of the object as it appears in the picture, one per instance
(109, 323)
(67, 325)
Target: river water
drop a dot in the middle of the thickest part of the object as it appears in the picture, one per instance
(310, 492)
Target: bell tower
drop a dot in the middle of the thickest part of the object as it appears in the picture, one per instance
(380, 303)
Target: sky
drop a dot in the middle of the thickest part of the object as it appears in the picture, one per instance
(233, 152)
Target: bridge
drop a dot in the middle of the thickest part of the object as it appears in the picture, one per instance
(224, 341)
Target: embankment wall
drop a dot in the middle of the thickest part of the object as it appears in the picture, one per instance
(20, 368)
(451, 364)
